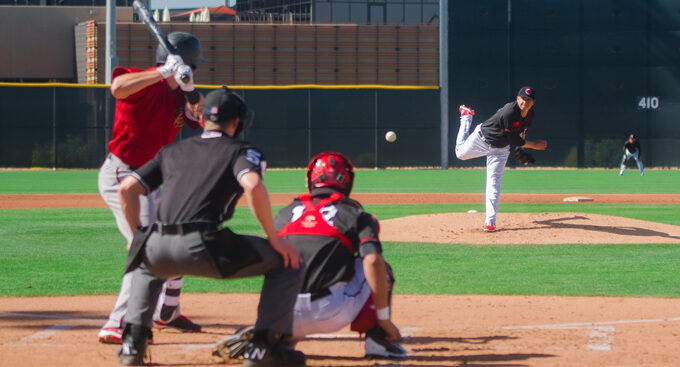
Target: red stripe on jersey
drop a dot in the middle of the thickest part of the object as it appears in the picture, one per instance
(311, 221)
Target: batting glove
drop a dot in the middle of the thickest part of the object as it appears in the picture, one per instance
(184, 72)
(172, 62)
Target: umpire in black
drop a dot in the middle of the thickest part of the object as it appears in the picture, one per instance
(203, 177)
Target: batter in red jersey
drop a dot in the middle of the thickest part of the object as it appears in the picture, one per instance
(151, 108)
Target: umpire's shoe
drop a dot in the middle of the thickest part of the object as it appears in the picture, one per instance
(134, 351)
(267, 350)
(377, 346)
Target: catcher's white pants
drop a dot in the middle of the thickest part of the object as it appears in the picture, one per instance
(112, 172)
(472, 145)
(626, 156)
(333, 312)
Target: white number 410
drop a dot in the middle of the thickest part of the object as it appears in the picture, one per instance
(646, 103)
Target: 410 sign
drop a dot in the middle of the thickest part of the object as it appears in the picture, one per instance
(648, 103)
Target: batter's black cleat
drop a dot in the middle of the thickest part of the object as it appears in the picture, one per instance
(233, 346)
(265, 351)
(377, 346)
(182, 323)
(134, 351)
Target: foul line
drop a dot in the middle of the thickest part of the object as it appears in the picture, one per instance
(579, 325)
(601, 333)
(43, 334)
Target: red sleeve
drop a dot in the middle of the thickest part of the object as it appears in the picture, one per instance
(119, 70)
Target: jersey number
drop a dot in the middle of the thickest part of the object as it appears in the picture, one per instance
(328, 212)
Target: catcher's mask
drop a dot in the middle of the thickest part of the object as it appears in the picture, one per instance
(223, 105)
(330, 169)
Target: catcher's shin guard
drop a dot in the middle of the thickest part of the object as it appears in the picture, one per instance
(233, 346)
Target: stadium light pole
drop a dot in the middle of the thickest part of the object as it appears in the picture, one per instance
(111, 59)
(444, 80)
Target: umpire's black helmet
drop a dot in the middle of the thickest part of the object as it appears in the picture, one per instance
(223, 105)
(186, 45)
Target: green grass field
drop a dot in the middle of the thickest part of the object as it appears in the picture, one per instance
(80, 252)
(464, 180)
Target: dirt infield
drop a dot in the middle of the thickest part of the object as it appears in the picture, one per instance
(438, 330)
(36, 201)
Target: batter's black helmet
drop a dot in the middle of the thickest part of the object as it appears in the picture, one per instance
(186, 45)
(223, 105)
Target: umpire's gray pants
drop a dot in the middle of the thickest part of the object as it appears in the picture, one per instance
(112, 172)
(169, 256)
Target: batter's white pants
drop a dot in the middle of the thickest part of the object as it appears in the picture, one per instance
(472, 145)
(112, 172)
(626, 156)
(333, 312)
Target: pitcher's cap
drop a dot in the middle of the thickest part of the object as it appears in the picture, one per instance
(527, 92)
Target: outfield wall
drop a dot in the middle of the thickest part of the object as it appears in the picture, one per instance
(602, 70)
(66, 126)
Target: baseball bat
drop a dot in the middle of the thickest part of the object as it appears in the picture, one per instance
(153, 27)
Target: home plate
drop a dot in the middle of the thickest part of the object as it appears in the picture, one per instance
(577, 199)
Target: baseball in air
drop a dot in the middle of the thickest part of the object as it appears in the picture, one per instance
(391, 136)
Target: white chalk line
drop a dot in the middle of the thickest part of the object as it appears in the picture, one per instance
(40, 335)
(601, 335)
(34, 339)
(581, 325)
(600, 339)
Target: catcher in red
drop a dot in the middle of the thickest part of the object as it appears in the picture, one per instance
(347, 281)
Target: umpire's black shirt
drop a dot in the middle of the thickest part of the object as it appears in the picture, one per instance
(200, 177)
(503, 128)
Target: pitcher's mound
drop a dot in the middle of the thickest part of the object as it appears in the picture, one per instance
(527, 228)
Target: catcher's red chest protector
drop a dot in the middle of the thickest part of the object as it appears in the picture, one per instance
(311, 221)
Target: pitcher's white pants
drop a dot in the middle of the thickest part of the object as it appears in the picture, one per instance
(333, 312)
(112, 172)
(472, 145)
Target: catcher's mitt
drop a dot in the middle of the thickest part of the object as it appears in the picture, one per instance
(233, 346)
(523, 157)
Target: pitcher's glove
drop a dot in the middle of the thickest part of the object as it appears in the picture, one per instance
(523, 157)
(233, 346)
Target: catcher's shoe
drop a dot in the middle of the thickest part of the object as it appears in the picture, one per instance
(134, 351)
(464, 110)
(233, 346)
(182, 323)
(110, 335)
(262, 352)
(489, 227)
(379, 347)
